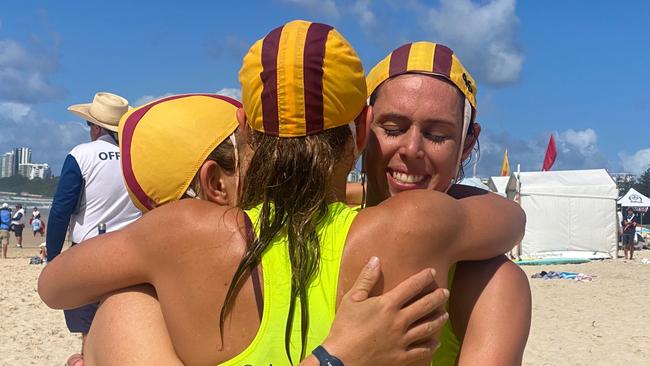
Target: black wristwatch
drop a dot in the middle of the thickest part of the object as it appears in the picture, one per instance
(325, 358)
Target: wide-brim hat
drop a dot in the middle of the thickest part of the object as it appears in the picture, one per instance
(301, 79)
(4, 205)
(164, 143)
(105, 110)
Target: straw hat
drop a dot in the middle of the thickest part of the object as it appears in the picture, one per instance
(105, 110)
(424, 58)
(301, 79)
(164, 143)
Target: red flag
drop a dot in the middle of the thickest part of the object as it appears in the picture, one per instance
(551, 153)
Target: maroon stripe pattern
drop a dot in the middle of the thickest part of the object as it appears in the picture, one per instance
(442, 60)
(313, 76)
(127, 139)
(269, 75)
(399, 60)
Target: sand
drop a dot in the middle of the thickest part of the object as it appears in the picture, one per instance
(604, 322)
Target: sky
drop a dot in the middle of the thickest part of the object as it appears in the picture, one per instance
(575, 69)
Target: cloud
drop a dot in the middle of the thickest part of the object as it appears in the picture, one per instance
(575, 150)
(49, 140)
(483, 34)
(148, 98)
(636, 163)
(319, 8)
(15, 112)
(366, 17)
(24, 74)
(230, 46)
(230, 92)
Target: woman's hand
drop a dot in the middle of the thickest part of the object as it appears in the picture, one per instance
(396, 328)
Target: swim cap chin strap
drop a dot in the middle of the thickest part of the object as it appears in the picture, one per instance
(467, 118)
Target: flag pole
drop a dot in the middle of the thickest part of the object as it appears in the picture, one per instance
(518, 200)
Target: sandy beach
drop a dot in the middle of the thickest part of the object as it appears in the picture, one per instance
(603, 322)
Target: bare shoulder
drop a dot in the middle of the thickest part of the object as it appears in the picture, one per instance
(191, 224)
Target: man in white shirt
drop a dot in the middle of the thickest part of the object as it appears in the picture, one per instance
(17, 224)
(91, 190)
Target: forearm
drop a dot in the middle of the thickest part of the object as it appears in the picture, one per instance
(492, 225)
(85, 273)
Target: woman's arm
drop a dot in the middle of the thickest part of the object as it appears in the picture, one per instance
(486, 295)
(129, 328)
(128, 257)
(491, 225)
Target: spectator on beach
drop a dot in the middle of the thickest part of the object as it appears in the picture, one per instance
(5, 224)
(37, 223)
(629, 231)
(90, 190)
(42, 252)
(17, 224)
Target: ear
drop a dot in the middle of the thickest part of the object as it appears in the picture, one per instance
(213, 184)
(470, 140)
(241, 117)
(362, 123)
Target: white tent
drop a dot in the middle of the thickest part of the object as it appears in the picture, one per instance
(498, 184)
(474, 182)
(634, 199)
(569, 213)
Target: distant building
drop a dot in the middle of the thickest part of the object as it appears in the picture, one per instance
(23, 155)
(7, 165)
(32, 171)
(354, 176)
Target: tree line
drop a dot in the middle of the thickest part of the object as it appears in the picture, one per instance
(20, 184)
(642, 185)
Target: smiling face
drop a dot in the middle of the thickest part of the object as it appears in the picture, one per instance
(415, 136)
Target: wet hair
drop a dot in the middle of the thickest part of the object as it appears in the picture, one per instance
(224, 155)
(470, 128)
(290, 178)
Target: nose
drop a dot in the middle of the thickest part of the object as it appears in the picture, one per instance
(412, 144)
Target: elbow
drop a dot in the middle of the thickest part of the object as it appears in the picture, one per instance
(45, 290)
(520, 223)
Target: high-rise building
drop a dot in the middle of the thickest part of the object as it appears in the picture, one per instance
(7, 164)
(23, 155)
(32, 171)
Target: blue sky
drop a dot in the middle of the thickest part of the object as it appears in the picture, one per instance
(577, 69)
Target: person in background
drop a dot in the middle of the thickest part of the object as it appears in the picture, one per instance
(36, 222)
(5, 224)
(90, 191)
(17, 224)
(629, 230)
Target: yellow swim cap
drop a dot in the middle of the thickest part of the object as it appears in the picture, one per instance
(164, 143)
(424, 58)
(301, 79)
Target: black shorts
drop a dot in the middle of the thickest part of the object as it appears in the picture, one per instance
(79, 320)
(628, 240)
(18, 230)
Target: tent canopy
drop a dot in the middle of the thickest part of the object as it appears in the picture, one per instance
(498, 184)
(474, 182)
(634, 199)
(596, 183)
(569, 213)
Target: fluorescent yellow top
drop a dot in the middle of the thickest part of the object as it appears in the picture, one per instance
(267, 348)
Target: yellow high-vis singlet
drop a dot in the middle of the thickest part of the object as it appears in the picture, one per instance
(449, 349)
(268, 348)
